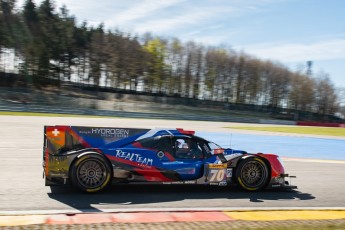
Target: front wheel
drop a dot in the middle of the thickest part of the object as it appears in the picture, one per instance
(252, 174)
(91, 173)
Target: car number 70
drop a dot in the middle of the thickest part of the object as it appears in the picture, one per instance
(217, 175)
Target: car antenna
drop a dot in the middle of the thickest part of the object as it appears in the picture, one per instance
(230, 139)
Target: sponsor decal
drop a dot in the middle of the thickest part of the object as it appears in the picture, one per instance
(217, 166)
(278, 180)
(229, 172)
(160, 154)
(223, 183)
(109, 132)
(181, 182)
(113, 133)
(134, 157)
(173, 163)
(53, 174)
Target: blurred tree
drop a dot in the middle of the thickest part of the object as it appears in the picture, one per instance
(50, 48)
(252, 82)
(126, 60)
(136, 62)
(301, 95)
(12, 33)
(67, 48)
(325, 96)
(341, 100)
(197, 80)
(156, 66)
(340, 91)
(193, 69)
(240, 79)
(174, 59)
(276, 80)
(82, 40)
(224, 74)
(32, 44)
(210, 73)
(97, 55)
(7, 20)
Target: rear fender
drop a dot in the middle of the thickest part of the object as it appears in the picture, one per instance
(90, 153)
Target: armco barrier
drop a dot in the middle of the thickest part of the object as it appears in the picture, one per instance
(68, 110)
(18, 107)
(307, 123)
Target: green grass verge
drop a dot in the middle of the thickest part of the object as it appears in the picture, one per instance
(46, 114)
(340, 132)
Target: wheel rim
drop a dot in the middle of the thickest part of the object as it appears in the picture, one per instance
(91, 174)
(253, 174)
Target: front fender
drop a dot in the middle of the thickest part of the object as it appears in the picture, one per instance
(277, 172)
(277, 167)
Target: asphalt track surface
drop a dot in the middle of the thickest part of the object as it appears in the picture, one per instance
(321, 184)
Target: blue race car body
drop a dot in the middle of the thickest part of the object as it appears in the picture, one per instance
(94, 157)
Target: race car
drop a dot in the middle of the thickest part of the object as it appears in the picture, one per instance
(92, 158)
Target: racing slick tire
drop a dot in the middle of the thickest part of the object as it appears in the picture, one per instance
(252, 174)
(91, 173)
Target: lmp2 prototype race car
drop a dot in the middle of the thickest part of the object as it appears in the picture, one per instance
(91, 158)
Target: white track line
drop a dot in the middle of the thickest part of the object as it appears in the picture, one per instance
(313, 160)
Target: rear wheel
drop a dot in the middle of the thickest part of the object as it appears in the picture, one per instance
(91, 173)
(252, 174)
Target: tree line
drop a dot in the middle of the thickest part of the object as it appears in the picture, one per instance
(50, 47)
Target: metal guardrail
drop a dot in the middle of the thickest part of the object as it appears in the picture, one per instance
(68, 110)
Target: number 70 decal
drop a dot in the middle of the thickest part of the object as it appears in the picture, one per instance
(217, 175)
